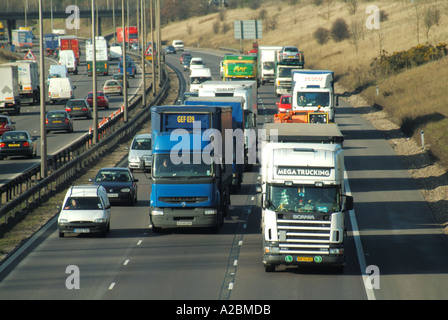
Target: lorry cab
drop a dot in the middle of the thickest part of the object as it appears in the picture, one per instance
(67, 58)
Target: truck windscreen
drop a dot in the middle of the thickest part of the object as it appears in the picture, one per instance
(303, 199)
(163, 167)
(313, 99)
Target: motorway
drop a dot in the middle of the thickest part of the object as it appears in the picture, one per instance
(391, 231)
(29, 119)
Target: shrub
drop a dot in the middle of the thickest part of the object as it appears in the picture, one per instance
(388, 64)
(321, 35)
(339, 30)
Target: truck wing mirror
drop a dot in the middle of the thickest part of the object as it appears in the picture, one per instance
(258, 189)
(348, 203)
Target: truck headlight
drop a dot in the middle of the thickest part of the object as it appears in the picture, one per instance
(157, 212)
(336, 251)
(210, 211)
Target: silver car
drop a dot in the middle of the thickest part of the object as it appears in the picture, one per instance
(140, 152)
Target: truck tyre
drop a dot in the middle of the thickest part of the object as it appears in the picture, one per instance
(269, 267)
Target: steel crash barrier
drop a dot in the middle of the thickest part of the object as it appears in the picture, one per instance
(27, 191)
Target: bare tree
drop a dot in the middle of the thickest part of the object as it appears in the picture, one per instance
(431, 17)
(352, 6)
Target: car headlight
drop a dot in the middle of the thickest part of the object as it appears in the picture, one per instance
(63, 221)
(100, 220)
(125, 190)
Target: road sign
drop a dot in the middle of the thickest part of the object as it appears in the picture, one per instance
(248, 29)
(30, 55)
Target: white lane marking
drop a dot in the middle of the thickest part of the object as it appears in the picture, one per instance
(359, 249)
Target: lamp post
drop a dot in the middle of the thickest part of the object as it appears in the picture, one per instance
(143, 40)
(43, 126)
(125, 81)
(94, 98)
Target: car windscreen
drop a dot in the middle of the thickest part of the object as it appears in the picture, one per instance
(83, 203)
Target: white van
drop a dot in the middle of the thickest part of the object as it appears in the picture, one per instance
(178, 45)
(67, 58)
(86, 209)
(199, 76)
(196, 63)
(60, 89)
(57, 71)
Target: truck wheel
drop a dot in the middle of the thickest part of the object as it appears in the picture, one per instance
(269, 267)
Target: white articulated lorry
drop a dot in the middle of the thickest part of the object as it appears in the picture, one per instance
(303, 195)
(313, 90)
(9, 89)
(266, 63)
(29, 88)
(248, 90)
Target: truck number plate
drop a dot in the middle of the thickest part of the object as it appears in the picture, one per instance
(304, 259)
(184, 223)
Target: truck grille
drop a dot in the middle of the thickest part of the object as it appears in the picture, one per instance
(304, 236)
(285, 84)
(179, 200)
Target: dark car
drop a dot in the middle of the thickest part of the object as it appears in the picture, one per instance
(120, 184)
(102, 100)
(78, 108)
(6, 125)
(59, 120)
(119, 77)
(170, 50)
(186, 63)
(17, 143)
(183, 55)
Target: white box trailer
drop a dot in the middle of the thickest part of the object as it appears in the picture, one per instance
(29, 88)
(266, 63)
(303, 195)
(9, 89)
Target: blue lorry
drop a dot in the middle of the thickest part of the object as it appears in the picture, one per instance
(51, 43)
(131, 68)
(239, 147)
(191, 173)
